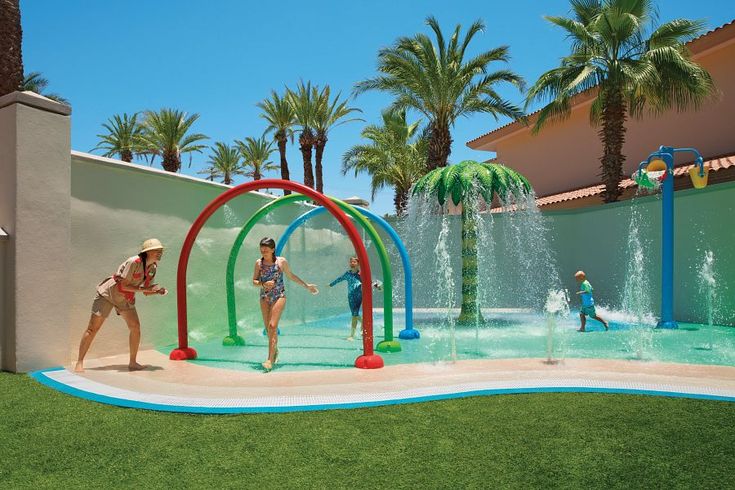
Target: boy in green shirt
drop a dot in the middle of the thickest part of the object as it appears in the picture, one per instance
(588, 302)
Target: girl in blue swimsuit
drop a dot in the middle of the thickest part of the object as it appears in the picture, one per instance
(268, 276)
(354, 292)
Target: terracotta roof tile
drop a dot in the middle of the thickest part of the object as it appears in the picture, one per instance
(715, 164)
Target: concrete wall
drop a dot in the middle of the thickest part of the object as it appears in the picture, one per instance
(565, 155)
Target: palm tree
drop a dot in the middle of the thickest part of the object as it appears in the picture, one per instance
(224, 162)
(303, 101)
(35, 82)
(280, 116)
(633, 72)
(11, 36)
(466, 182)
(395, 156)
(441, 84)
(327, 115)
(165, 135)
(255, 153)
(122, 138)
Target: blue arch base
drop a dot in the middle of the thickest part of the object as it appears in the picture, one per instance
(121, 402)
(409, 333)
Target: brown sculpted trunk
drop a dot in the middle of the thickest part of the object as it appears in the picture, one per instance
(612, 134)
(320, 143)
(440, 145)
(306, 142)
(285, 175)
(171, 161)
(11, 60)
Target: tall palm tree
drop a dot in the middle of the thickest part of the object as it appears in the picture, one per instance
(165, 135)
(255, 153)
(437, 81)
(122, 138)
(35, 82)
(328, 115)
(395, 156)
(304, 104)
(224, 162)
(465, 182)
(11, 36)
(280, 116)
(632, 71)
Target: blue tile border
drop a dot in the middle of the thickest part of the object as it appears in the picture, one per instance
(41, 377)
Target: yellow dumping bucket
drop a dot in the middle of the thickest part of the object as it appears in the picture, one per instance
(699, 181)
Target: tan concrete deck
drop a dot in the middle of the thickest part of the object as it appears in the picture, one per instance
(184, 384)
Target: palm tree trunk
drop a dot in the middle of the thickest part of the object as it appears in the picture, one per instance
(227, 180)
(256, 174)
(285, 175)
(400, 200)
(320, 143)
(171, 162)
(11, 35)
(470, 312)
(440, 145)
(612, 134)
(305, 145)
(126, 156)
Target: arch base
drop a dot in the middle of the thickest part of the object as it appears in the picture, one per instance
(183, 354)
(369, 362)
(409, 334)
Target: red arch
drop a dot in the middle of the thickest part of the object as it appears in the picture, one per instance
(369, 359)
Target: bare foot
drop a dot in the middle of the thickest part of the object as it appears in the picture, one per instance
(79, 367)
(581, 330)
(267, 366)
(135, 367)
(606, 328)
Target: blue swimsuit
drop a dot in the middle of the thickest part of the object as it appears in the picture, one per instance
(271, 272)
(354, 290)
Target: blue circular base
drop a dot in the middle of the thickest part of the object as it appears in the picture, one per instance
(670, 325)
(265, 332)
(409, 334)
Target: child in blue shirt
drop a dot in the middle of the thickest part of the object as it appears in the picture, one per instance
(354, 292)
(588, 302)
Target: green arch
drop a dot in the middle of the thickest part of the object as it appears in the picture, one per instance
(387, 345)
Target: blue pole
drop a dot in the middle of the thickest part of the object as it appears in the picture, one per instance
(409, 332)
(667, 242)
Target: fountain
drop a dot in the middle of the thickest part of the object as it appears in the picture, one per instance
(556, 307)
(708, 289)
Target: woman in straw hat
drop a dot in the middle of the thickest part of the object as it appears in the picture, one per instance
(135, 275)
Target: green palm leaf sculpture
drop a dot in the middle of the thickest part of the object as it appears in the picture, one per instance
(463, 184)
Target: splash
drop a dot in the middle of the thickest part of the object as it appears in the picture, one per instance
(555, 308)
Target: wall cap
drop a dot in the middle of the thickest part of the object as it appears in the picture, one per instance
(36, 101)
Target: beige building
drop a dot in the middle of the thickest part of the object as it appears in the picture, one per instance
(562, 161)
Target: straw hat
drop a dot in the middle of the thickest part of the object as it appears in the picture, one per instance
(151, 244)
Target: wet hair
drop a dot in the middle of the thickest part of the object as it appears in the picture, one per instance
(268, 242)
(144, 257)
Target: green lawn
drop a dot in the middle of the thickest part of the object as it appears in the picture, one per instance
(51, 440)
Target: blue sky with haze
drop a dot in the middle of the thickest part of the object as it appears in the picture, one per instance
(220, 58)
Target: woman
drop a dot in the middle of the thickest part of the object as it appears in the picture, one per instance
(268, 276)
(118, 291)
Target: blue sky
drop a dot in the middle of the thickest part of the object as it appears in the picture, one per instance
(220, 58)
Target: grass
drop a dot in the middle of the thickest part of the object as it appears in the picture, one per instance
(52, 440)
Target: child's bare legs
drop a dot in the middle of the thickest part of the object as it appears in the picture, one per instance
(583, 319)
(353, 327)
(601, 321)
(275, 310)
(131, 318)
(95, 323)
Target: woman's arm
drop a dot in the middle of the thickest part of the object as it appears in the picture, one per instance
(256, 275)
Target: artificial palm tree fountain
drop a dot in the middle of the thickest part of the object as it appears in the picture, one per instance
(469, 184)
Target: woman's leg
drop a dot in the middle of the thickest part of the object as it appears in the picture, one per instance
(265, 310)
(131, 318)
(275, 317)
(95, 323)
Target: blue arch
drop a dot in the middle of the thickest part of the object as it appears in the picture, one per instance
(409, 332)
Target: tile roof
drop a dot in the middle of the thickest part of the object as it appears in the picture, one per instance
(715, 164)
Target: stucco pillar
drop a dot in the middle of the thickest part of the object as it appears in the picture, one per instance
(35, 198)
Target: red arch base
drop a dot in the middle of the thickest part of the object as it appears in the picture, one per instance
(369, 360)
